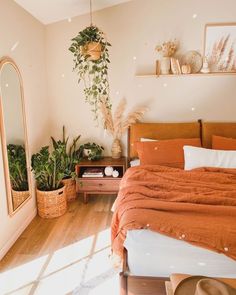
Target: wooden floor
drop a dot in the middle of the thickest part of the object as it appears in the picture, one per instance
(43, 236)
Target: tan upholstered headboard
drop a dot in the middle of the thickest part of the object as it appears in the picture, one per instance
(217, 128)
(160, 131)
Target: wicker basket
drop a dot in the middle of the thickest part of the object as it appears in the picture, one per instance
(70, 189)
(51, 203)
(19, 197)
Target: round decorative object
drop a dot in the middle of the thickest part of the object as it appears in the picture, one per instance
(108, 171)
(115, 173)
(186, 69)
(194, 59)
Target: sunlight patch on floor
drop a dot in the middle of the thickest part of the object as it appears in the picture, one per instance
(81, 268)
(22, 275)
(69, 255)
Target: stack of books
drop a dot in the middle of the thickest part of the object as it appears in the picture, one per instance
(93, 172)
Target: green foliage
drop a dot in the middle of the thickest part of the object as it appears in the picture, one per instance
(17, 167)
(94, 73)
(47, 168)
(69, 155)
(94, 150)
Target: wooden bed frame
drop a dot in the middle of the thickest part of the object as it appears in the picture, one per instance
(142, 285)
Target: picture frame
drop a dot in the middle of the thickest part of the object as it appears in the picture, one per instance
(220, 47)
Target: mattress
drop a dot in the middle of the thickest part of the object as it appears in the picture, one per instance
(153, 254)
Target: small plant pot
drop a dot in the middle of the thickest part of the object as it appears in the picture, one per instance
(51, 203)
(93, 49)
(70, 189)
(19, 197)
(116, 149)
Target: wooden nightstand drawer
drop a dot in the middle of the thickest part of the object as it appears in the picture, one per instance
(96, 185)
(99, 185)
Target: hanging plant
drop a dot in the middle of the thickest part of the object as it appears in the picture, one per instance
(91, 59)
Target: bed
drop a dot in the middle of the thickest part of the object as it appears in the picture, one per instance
(151, 256)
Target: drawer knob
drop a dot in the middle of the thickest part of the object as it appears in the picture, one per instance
(100, 184)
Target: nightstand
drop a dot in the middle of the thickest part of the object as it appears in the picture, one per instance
(99, 185)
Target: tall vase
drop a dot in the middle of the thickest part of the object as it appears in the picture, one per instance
(165, 65)
(116, 149)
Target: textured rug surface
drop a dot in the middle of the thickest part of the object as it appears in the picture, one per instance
(103, 283)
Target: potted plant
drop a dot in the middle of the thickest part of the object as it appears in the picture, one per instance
(69, 158)
(116, 124)
(48, 172)
(18, 173)
(166, 50)
(91, 59)
(92, 151)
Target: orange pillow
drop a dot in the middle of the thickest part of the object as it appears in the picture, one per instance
(223, 143)
(165, 152)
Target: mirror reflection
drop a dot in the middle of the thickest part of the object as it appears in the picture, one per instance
(13, 136)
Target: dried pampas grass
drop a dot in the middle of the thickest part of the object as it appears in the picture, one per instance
(116, 125)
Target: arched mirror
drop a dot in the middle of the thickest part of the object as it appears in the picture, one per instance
(14, 136)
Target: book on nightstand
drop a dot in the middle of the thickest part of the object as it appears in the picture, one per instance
(93, 172)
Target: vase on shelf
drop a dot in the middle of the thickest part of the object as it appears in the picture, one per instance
(165, 65)
(116, 149)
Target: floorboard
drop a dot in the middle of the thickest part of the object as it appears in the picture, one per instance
(50, 237)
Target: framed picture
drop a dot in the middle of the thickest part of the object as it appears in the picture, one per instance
(220, 47)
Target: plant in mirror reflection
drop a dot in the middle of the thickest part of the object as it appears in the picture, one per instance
(17, 167)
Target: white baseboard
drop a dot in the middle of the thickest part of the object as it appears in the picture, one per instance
(16, 235)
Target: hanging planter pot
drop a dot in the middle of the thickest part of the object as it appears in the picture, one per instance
(93, 50)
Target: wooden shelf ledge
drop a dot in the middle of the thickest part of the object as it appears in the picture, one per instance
(184, 75)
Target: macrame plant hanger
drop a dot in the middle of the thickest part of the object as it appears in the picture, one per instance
(91, 14)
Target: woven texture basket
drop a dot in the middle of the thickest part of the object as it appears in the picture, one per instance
(51, 203)
(70, 189)
(19, 197)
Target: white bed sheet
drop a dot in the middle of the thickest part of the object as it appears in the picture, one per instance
(153, 254)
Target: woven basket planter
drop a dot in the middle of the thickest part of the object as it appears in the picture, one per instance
(19, 197)
(70, 189)
(51, 203)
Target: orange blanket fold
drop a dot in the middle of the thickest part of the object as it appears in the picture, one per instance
(197, 206)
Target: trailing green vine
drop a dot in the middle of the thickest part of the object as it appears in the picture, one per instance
(92, 70)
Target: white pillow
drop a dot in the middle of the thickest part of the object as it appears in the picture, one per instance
(143, 139)
(135, 162)
(195, 157)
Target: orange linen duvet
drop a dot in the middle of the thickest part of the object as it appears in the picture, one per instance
(197, 206)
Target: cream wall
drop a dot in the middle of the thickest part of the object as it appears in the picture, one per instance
(19, 27)
(134, 29)
(53, 97)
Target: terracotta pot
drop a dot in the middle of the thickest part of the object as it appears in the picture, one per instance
(51, 203)
(93, 49)
(70, 189)
(116, 149)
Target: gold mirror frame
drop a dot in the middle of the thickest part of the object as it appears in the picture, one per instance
(3, 61)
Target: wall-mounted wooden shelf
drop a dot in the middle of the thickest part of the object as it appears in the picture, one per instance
(183, 75)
